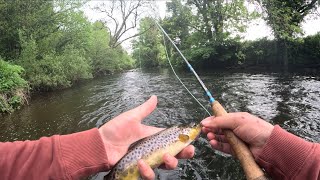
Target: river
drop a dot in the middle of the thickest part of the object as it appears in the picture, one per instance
(291, 101)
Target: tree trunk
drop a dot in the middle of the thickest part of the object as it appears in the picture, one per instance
(282, 54)
(285, 57)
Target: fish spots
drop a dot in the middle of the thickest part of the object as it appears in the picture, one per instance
(151, 148)
(131, 170)
(125, 173)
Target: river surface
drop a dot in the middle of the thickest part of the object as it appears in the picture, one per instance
(291, 101)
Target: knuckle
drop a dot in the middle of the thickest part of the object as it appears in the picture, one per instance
(191, 153)
(149, 175)
(170, 166)
(244, 115)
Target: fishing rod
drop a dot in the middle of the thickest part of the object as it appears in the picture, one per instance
(242, 152)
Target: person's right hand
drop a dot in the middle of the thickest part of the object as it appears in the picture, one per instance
(251, 129)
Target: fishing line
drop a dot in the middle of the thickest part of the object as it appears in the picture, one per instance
(165, 47)
(211, 99)
(250, 167)
(167, 56)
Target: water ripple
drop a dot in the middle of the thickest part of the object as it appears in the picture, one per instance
(291, 101)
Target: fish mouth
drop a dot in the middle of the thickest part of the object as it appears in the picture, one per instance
(195, 125)
(195, 131)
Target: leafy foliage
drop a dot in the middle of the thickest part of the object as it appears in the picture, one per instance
(285, 17)
(10, 77)
(306, 52)
(54, 70)
(148, 50)
(218, 18)
(104, 58)
(122, 16)
(11, 85)
(210, 35)
(55, 44)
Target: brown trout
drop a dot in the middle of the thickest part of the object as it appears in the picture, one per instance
(151, 149)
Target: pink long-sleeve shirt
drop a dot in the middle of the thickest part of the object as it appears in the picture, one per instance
(77, 155)
(58, 157)
(286, 156)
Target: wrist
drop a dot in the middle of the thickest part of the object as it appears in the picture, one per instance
(111, 150)
(262, 139)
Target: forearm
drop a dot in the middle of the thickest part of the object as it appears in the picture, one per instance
(286, 156)
(57, 157)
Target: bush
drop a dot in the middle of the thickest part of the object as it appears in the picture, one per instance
(12, 87)
(53, 70)
(104, 59)
(306, 51)
(261, 51)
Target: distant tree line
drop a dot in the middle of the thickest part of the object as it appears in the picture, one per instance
(210, 35)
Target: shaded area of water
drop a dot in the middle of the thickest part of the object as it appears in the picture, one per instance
(290, 101)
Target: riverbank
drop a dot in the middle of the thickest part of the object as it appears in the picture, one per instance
(16, 90)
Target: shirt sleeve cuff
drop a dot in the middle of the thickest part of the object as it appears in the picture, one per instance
(284, 153)
(83, 154)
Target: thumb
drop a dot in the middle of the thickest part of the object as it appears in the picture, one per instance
(142, 111)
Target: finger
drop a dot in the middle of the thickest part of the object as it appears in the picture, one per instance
(213, 130)
(210, 136)
(170, 161)
(145, 170)
(206, 130)
(142, 111)
(186, 153)
(228, 121)
(223, 147)
(218, 131)
(219, 138)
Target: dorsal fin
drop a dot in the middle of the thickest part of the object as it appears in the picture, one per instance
(140, 140)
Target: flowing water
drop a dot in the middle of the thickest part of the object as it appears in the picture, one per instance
(288, 100)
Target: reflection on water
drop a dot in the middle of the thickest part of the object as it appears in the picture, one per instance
(291, 101)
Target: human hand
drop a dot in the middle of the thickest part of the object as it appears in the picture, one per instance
(251, 129)
(120, 132)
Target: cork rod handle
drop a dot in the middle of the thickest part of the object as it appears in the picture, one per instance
(242, 152)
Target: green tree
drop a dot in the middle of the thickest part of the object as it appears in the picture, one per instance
(285, 17)
(178, 24)
(37, 18)
(58, 59)
(219, 18)
(34, 17)
(148, 49)
(205, 29)
(53, 69)
(105, 59)
(122, 16)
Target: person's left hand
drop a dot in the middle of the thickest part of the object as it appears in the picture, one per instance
(120, 132)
